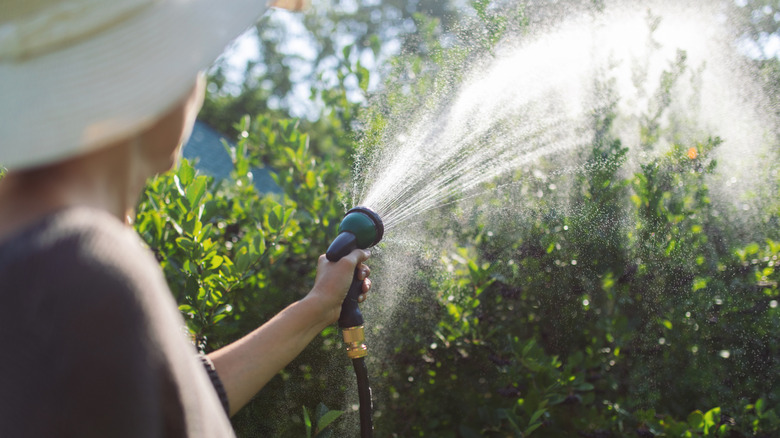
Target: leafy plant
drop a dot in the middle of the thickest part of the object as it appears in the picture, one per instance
(628, 305)
(319, 426)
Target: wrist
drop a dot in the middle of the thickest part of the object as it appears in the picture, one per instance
(321, 311)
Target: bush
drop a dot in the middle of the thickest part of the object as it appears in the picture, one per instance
(628, 305)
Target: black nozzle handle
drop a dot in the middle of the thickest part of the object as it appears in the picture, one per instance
(350, 316)
(350, 312)
(342, 245)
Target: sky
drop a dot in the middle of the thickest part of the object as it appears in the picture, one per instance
(245, 49)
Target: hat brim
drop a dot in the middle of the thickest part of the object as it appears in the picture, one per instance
(114, 84)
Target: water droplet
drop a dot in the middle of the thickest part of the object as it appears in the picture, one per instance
(773, 304)
(724, 354)
(662, 341)
(687, 314)
(565, 228)
(574, 262)
(585, 302)
(433, 346)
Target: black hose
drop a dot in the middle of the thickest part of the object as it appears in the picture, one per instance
(364, 395)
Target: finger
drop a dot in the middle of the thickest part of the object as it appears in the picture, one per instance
(364, 272)
(361, 298)
(358, 256)
(366, 285)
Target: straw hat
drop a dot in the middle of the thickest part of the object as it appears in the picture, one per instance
(76, 75)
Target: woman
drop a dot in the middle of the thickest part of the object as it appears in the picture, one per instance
(98, 97)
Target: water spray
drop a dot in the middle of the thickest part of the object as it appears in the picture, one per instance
(361, 228)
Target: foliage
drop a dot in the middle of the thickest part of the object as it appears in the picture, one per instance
(319, 427)
(610, 346)
(344, 34)
(639, 309)
(234, 257)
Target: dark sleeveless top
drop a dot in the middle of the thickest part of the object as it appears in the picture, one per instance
(93, 344)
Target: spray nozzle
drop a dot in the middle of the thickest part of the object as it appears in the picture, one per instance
(361, 228)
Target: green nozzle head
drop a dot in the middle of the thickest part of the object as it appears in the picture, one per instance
(361, 228)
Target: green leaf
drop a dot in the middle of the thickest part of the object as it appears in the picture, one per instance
(528, 430)
(291, 155)
(307, 422)
(536, 415)
(328, 418)
(216, 262)
(186, 243)
(585, 387)
(363, 77)
(699, 283)
(711, 419)
(311, 179)
(196, 190)
(759, 407)
(696, 420)
(274, 219)
(243, 259)
(186, 172)
(218, 318)
(259, 243)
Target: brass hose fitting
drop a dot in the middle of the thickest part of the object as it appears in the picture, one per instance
(354, 337)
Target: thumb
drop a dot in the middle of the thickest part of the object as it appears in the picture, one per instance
(357, 256)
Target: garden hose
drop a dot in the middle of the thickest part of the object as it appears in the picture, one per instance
(361, 228)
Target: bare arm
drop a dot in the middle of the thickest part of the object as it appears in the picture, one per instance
(246, 365)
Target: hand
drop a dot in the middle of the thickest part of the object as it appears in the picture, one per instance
(333, 280)
(248, 364)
